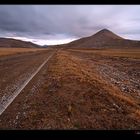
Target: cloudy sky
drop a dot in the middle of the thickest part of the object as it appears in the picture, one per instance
(57, 24)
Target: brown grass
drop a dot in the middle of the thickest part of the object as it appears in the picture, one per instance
(11, 51)
(74, 95)
(130, 53)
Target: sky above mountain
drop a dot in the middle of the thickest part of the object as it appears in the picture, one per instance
(57, 24)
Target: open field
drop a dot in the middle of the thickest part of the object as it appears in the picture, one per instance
(76, 89)
(132, 53)
(11, 51)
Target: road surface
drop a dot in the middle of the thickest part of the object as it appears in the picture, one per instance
(16, 72)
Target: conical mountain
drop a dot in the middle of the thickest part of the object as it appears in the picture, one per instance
(104, 39)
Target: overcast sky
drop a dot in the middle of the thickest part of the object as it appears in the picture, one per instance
(56, 24)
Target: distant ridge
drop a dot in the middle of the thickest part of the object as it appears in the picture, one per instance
(14, 43)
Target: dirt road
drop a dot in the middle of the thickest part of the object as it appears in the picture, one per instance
(74, 90)
(16, 72)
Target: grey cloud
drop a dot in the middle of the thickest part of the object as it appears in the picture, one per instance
(45, 21)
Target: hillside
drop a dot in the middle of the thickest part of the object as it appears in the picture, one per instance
(104, 39)
(14, 43)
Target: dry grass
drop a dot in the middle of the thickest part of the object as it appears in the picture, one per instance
(130, 53)
(10, 51)
(72, 94)
(85, 96)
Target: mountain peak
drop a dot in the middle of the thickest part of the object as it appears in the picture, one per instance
(105, 30)
(105, 33)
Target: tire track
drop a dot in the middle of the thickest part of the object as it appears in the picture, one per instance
(6, 102)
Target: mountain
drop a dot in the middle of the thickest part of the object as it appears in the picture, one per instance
(105, 35)
(14, 43)
(44, 46)
(104, 39)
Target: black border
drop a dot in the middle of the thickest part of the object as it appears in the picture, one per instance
(68, 134)
(65, 2)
